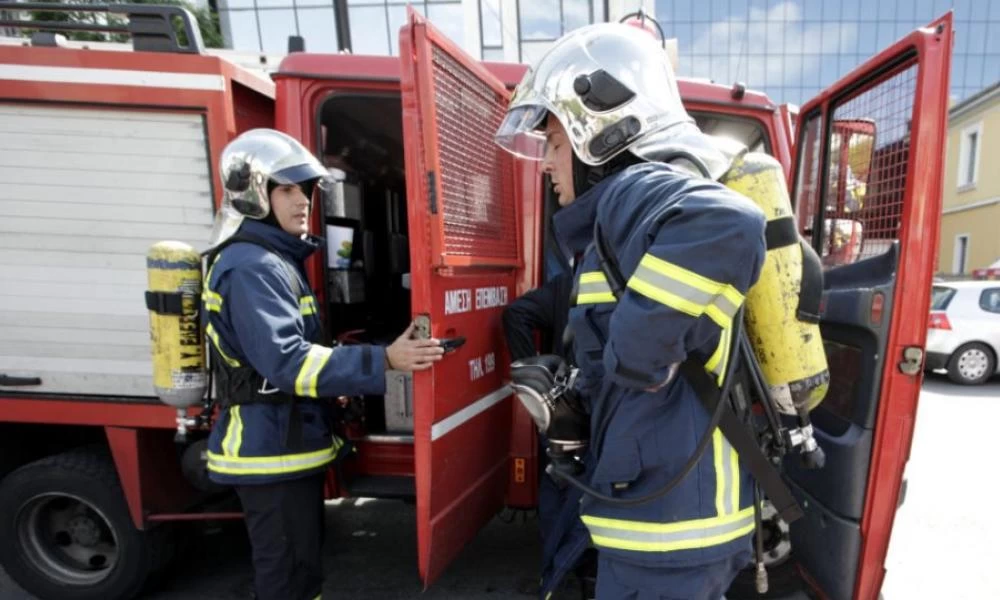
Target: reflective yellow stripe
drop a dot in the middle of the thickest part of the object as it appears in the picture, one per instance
(305, 382)
(734, 468)
(238, 438)
(594, 289)
(685, 291)
(720, 506)
(227, 441)
(307, 305)
(212, 300)
(727, 475)
(644, 536)
(269, 465)
(214, 336)
(717, 363)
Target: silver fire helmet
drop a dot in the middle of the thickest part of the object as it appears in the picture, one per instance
(246, 166)
(608, 85)
(613, 89)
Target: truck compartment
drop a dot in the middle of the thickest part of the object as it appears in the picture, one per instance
(367, 274)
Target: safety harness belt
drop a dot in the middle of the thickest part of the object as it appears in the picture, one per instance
(243, 384)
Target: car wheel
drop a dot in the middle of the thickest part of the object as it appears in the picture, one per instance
(67, 532)
(971, 364)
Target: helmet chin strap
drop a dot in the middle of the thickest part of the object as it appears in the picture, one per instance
(586, 176)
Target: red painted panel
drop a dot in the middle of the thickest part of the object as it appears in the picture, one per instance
(465, 249)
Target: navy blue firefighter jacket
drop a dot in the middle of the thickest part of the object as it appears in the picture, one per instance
(256, 316)
(689, 249)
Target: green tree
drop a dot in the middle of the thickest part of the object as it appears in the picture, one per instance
(208, 21)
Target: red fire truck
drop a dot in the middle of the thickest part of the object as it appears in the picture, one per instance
(105, 153)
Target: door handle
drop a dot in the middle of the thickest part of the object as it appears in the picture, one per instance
(11, 381)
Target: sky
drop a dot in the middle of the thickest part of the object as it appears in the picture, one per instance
(790, 49)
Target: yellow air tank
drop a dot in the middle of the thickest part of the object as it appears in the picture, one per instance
(782, 307)
(174, 303)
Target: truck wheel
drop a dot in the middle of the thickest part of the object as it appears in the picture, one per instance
(67, 533)
(971, 364)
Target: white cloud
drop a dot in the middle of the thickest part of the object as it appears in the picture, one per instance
(801, 45)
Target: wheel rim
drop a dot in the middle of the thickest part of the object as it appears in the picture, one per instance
(67, 539)
(972, 364)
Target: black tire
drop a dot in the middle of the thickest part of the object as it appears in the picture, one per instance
(972, 364)
(67, 532)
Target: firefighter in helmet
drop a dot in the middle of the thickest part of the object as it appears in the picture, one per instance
(603, 113)
(273, 439)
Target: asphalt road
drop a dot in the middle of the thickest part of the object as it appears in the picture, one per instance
(944, 542)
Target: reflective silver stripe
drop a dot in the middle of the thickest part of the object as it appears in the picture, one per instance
(596, 287)
(448, 424)
(728, 478)
(685, 291)
(655, 537)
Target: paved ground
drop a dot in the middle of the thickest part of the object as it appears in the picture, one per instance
(944, 544)
(945, 538)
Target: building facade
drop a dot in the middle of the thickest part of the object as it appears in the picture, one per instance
(970, 225)
(499, 30)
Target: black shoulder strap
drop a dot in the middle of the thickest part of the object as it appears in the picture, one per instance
(737, 432)
(293, 276)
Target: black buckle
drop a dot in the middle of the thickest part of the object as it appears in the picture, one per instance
(165, 303)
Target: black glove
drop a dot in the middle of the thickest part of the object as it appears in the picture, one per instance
(544, 385)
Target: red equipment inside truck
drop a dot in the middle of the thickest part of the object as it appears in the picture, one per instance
(432, 221)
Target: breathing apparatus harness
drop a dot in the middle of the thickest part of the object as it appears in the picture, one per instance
(560, 415)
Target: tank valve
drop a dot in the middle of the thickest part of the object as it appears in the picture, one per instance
(184, 423)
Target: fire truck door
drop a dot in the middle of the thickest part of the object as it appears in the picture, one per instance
(465, 250)
(867, 188)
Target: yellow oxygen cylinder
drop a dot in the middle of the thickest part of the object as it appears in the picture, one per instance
(174, 303)
(787, 343)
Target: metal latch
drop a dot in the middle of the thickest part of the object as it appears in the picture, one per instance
(913, 360)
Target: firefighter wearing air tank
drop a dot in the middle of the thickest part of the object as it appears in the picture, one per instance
(603, 113)
(273, 439)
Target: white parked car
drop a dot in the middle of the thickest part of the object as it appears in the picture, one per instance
(964, 331)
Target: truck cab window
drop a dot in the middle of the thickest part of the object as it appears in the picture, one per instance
(745, 130)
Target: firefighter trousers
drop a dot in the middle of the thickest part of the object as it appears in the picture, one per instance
(285, 524)
(619, 580)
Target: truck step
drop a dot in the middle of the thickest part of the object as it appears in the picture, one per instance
(383, 486)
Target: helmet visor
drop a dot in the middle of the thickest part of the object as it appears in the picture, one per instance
(300, 173)
(519, 132)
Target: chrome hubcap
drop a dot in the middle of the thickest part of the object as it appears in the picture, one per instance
(67, 539)
(972, 363)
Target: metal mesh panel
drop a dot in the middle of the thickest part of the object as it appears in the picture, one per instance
(477, 202)
(868, 152)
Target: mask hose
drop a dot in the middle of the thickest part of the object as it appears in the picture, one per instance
(706, 437)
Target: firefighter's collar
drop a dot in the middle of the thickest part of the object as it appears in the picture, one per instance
(574, 225)
(292, 247)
